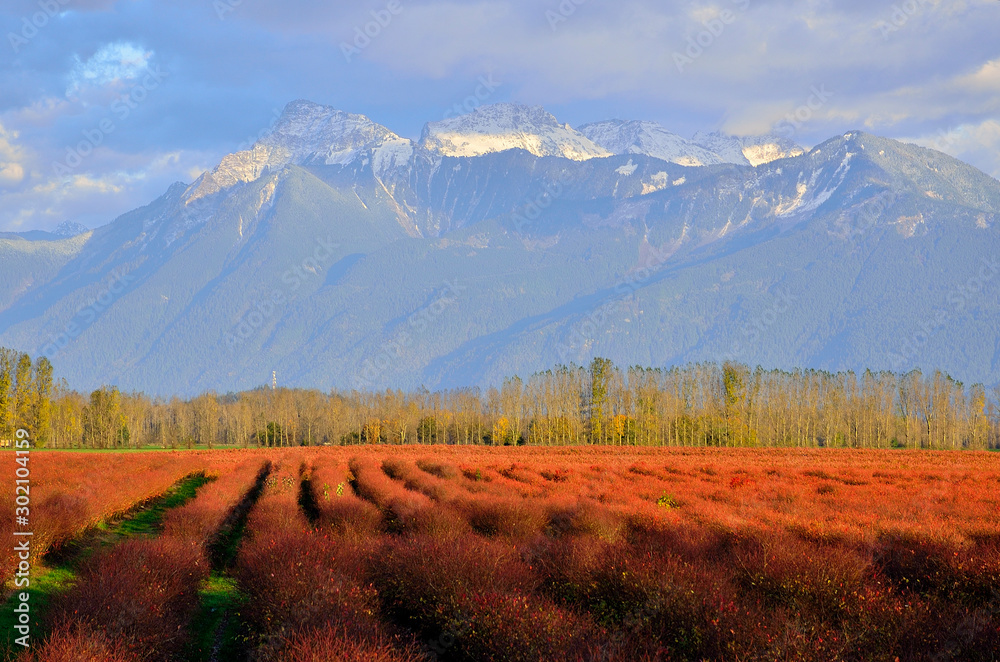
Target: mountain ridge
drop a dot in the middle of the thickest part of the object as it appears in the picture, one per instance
(504, 126)
(344, 256)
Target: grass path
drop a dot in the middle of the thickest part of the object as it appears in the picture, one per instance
(218, 634)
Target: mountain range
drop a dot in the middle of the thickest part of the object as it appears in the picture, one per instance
(340, 255)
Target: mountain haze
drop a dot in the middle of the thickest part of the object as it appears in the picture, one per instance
(342, 255)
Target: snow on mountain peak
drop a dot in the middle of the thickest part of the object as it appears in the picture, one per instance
(504, 126)
(729, 148)
(312, 132)
(649, 138)
(68, 229)
(767, 148)
(752, 150)
(307, 133)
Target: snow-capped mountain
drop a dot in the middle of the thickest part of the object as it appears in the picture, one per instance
(767, 148)
(68, 229)
(752, 150)
(728, 148)
(343, 256)
(651, 139)
(506, 126)
(309, 133)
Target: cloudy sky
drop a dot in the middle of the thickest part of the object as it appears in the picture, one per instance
(105, 103)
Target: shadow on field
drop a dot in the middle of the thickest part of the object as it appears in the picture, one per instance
(221, 634)
(307, 496)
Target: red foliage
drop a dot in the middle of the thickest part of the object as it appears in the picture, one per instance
(71, 492)
(305, 588)
(332, 643)
(479, 594)
(201, 517)
(140, 595)
(75, 643)
(562, 554)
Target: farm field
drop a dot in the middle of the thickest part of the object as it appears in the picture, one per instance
(385, 553)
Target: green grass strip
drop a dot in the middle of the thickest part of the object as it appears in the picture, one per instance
(223, 549)
(60, 572)
(45, 585)
(213, 639)
(147, 522)
(144, 519)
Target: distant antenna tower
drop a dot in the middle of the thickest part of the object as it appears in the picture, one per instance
(274, 380)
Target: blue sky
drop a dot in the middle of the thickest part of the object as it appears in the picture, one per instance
(105, 103)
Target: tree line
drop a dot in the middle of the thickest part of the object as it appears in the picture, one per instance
(695, 405)
(25, 396)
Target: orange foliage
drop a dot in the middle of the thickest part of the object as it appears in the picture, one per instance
(494, 553)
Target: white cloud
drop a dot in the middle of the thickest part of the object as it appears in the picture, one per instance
(10, 173)
(609, 58)
(11, 159)
(112, 63)
(113, 185)
(985, 79)
(750, 76)
(977, 144)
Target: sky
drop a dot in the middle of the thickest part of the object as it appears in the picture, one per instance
(105, 103)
